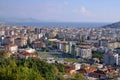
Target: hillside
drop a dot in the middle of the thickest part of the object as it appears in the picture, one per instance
(113, 25)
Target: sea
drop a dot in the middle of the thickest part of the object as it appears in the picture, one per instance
(58, 24)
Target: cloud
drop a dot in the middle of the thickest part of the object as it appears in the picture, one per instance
(83, 11)
(66, 3)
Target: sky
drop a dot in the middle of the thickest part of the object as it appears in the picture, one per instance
(61, 10)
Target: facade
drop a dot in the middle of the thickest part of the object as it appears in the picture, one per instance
(8, 40)
(70, 47)
(0, 40)
(111, 58)
(38, 44)
(77, 66)
(2, 32)
(66, 47)
(25, 55)
(29, 52)
(84, 51)
(40, 35)
(63, 46)
(114, 44)
(12, 48)
(20, 42)
(103, 42)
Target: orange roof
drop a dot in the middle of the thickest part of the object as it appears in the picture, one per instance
(91, 69)
(88, 70)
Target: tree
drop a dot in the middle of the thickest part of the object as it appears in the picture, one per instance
(4, 54)
(60, 67)
(14, 72)
(80, 77)
(46, 70)
(57, 36)
(79, 42)
(96, 54)
(28, 42)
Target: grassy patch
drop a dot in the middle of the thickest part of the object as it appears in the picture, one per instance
(71, 60)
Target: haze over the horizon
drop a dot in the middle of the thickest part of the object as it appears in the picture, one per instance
(61, 10)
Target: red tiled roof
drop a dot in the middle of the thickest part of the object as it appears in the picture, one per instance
(28, 54)
(88, 70)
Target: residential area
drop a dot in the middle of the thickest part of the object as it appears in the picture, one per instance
(91, 52)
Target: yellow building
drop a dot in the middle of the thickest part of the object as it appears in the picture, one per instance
(114, 44)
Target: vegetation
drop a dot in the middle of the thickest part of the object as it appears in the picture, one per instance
(96, 54)
(79, 42)
(4, 54)
(30, 69)
(60, 67)
(71, 60)
(29, 42)
(57, 36)
(79, 77)
(11, 71)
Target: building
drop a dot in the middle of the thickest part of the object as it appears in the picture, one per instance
(84, 51)
(111, 58)
(12, 48)
(104, 42)
(40, 35)
(8, 40)
(114, 44)
(20, 42)
(1, 40)
(64, 46)
(37, 30)
(50, 60)
(70, 47)
(2, 32)
(38, 44)
(77, 66)
(87, 70)
(27, 53)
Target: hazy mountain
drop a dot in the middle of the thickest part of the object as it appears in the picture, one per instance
(18, 20)
(113, 25)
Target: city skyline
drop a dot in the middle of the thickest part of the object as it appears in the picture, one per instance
(60, 11)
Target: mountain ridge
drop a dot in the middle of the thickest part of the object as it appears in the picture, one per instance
(13, 19)
(112, 25)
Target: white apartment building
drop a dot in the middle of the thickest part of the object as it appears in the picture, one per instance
(84, 51)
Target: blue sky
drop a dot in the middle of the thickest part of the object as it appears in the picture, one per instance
(62, 10)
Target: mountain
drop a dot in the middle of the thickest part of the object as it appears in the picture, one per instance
(18, 20)
(113, 25)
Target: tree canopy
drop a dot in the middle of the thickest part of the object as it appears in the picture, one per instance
(96, 54)
(30, 69)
